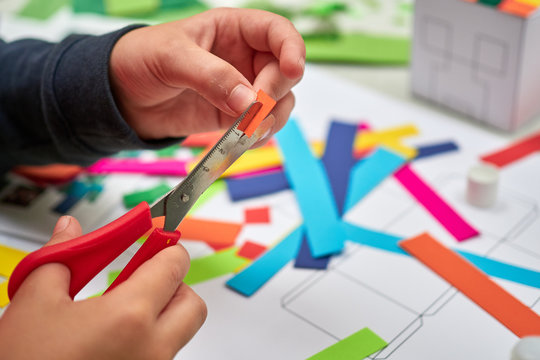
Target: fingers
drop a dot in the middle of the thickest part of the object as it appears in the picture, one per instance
(268, 32)
(212, 77)
(51, 281)
(182, 318)
(270, 78)
(155, 282)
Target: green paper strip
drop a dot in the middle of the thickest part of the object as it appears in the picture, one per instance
(217, 187)
(88, 6)
(148, 195)
(130, 7)
(167, 152)
(218, 264)
(42, 9)
(358, 48)
(112, 275)
(359, 345)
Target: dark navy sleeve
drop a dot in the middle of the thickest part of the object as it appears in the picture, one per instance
(56, 103)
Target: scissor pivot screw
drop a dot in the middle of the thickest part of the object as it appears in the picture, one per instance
(185, 197)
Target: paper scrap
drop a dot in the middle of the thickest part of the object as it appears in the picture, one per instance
(159, 167)
(252, 278)
(313, 193)
(251, 250)
(514, 152)
(209, 267)
(474, 284)
(148, 195)
(435, 204)
(370, 172)
(260, 215)
(358, 346)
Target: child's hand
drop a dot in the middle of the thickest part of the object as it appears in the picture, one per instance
(149, 316)
(200, 73)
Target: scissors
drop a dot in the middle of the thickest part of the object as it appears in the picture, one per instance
(87, 255)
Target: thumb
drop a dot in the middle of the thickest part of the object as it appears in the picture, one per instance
(66, 228)
(219, 82)
(52, 280)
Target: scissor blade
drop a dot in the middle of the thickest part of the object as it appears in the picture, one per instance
(176, 204)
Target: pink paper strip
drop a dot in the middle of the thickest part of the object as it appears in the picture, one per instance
(158, 167)
(433, 203)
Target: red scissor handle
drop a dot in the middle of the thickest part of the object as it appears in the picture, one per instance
(87, 255)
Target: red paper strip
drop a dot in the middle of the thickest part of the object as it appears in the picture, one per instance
(251, 250)
(432, 202)
(514, 152)
(474, 284)
(257, 215)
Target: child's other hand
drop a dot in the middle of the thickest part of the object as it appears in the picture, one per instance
(150, 316)
(201, 73)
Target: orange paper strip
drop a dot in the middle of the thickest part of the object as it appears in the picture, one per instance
(202, 139)
(49, 174)
(474, 284)
(217, 234)
(267, 105)
(516, 8)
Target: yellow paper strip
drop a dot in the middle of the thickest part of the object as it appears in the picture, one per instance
(9, 258)
(4, 299)
(391, 138)
(260, 158)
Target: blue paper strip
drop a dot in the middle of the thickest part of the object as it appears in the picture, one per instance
(312, 188)
(337, 160)
(435, 149)
(305, 260)
(249, 280)
(246, 188)
(75, 192)
(366, 175)
(491, 267)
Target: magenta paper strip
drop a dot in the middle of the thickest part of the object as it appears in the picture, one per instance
(158, 167)
(433, 203)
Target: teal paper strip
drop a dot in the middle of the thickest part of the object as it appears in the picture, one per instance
(491, 267)
(249, 280)
(313, 192)
(503, 270)
(370, 172)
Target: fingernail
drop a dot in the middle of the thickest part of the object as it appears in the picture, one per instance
(62, 224)
(241, 97)
(302, 63)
